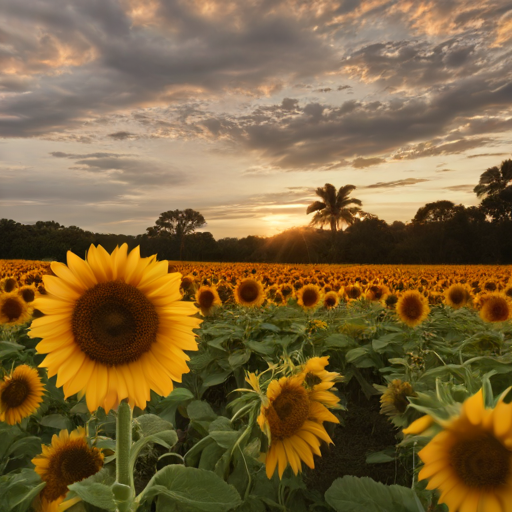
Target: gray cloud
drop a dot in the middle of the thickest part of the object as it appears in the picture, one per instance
(461, 188)
(397, 183)
(480, 155)
(363, 163)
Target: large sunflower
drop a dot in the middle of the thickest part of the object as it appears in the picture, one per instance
(412, 308)
(394, 401)
(21, 393)
(457, 296)
(114, 327)
(293, 422)
(67, 460)
(470, 461)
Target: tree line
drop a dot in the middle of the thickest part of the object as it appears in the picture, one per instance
(441, 232)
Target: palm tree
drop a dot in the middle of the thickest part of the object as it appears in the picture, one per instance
(494, 180)
(334, 209)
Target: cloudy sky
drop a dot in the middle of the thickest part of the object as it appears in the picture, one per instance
(113, 111)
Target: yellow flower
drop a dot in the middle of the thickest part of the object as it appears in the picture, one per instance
(412, 308)
(309, 296)
(114, 327)
(292, 420)
(21, 393)
(249, 292)
(318, 380)
(394, 400)
(470, 460)
(67, 460)
(207, 298)
(331, 300)
(457, 296)
(13, 309)
(496, 307)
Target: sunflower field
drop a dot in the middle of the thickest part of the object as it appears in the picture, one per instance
(129, 383)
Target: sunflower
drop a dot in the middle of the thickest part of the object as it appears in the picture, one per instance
(13, 309)
(352, 292)
(207, 298)
(470, 460)
(293, 422)
(377, 292)
(496, 307)
(457, 296)
(331, 300)
(9, 284)
(318, 380)
(27, 293)
(114, 327)
(412, 308)
(21, 393)
(249, 292)
(309, 296)
(393, 401)
(67, 460)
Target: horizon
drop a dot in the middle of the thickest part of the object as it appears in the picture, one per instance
(114, 112)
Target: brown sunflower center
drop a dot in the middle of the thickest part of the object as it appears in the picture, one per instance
(312, 380)
(74, 462)
(288, 412)
(248, 291)
(412, 308)
(10, 284)
(497, 309)
(12, 309)
(15, 393)
(206, 299)
(353, 292)
(330, 301)
(114, 323)
(28, 295)
(481, 463)
(457, 296)
(309, 297)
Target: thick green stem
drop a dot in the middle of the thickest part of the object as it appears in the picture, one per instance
(123, 488)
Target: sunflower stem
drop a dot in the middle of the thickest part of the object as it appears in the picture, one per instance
(123, 488)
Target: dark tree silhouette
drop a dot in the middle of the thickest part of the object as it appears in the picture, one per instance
(334, 209)
(438, 211)
(495, 187)
(177, 224)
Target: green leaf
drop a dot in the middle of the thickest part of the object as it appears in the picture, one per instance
(200, 411)
(338, 341)
(387, 455)
(167, 408)
(264, 347)
(152, 424)
(8, 348)
(58, 421)
(352, 494)
(166, 438)
(270, 327)
(239, 358)
(17, 490)
(95, 493)
(196, 488)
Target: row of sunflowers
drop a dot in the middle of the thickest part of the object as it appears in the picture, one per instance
(135, 384)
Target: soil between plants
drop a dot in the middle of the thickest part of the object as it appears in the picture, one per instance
(365, 431)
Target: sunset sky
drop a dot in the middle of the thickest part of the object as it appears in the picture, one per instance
(113, 111)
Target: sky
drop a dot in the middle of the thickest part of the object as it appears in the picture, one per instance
(114, 111)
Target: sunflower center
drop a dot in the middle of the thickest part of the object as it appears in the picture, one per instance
(412, 308)
(309, 297)
(28, 295)
(12, 309)
(249, 292)
(114, 323)
(330, 301)
(498, 310)
(312, 380)
(74, 462)
(481, 463)
(288, 412)
(457, 296)
(10, 284)
(15, 393)
(206, 299)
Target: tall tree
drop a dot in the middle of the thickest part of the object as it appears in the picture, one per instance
(438, 211)
(495, 187)
(334, 209)
(177, 224)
